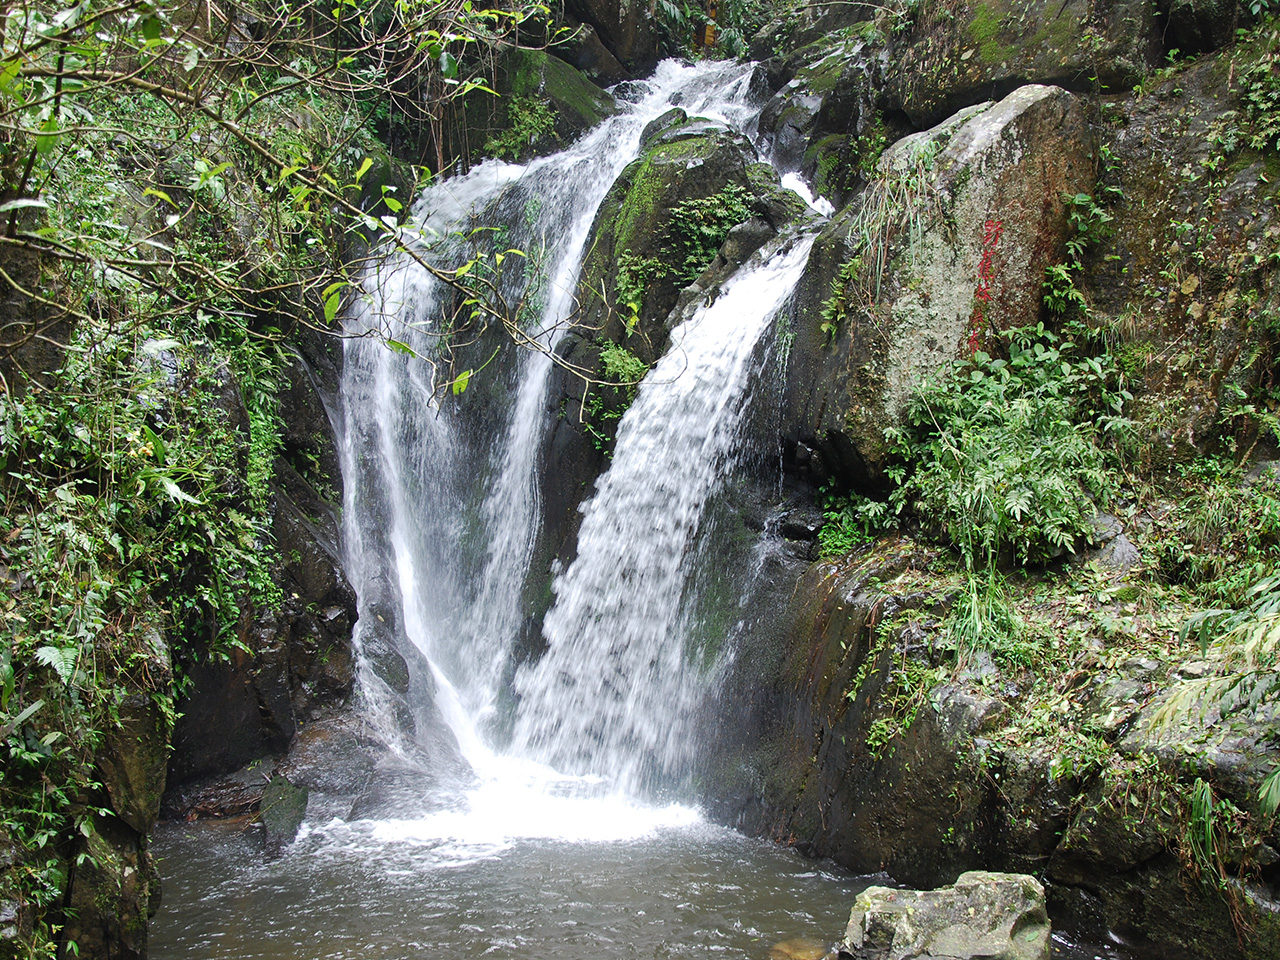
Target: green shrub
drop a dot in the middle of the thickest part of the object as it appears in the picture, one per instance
(622, 366)
(699, 227)
(1006, 455)
(1221, 534)
(528, 120)
(850, 520)
(1261, 93)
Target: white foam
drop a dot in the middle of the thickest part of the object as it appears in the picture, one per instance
(795, 183)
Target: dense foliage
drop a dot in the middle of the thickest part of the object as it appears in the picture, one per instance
(1007, 455)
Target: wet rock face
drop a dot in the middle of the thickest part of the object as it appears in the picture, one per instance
(862, 763)
(950, 244)
(113, 891)
(625, 28)
(302, 666)
(912, 808)
(983, 916)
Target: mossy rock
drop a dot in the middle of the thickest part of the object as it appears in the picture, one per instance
(543, 104)
(284, 807)
(958, 52)
(685, 159)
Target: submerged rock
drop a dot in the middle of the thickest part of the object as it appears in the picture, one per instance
(799, 948)
(284, 806)
(983, 916)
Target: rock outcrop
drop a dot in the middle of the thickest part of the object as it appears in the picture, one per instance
(982, 916)
(301, 666)
(949, 245)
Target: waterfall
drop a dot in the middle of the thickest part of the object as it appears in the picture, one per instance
(617, 689)
(442, 511)
(442, 508)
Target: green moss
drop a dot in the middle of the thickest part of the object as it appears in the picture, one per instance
(569, 90)
(649, 178)
(682, 151)
(639, 206)
(1057, 34)
(823, 77)
(984, 29)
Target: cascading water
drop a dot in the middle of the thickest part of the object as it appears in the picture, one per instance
(547, 847)
(616, 691)
(441, 525)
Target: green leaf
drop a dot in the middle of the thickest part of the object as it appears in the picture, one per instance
(47, 139)
(331, 305)
(153, 192)
(364, 168)
(401, 347)
(1269, 793)
(20, 719)
(448, 65)
(151, 29)
(460, 382)
(23, 203)
(155, 347)
(157, 444)
(61, 659)
(394, 205)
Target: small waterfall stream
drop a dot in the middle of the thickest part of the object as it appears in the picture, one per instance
(617, 689)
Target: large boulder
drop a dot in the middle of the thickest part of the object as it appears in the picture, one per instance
(626, 29)
(543, 104)
(846, 81)
(948, 244)
(982, 916)
(113, 890)
(134, 757)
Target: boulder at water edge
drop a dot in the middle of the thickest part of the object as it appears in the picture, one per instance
(995, 916)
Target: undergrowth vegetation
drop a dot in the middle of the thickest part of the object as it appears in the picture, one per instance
(1010, 455)
(1028, 457)
(694, 233)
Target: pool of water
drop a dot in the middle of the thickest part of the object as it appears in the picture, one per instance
(392, 889)
(514, 860)
(385, 890)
